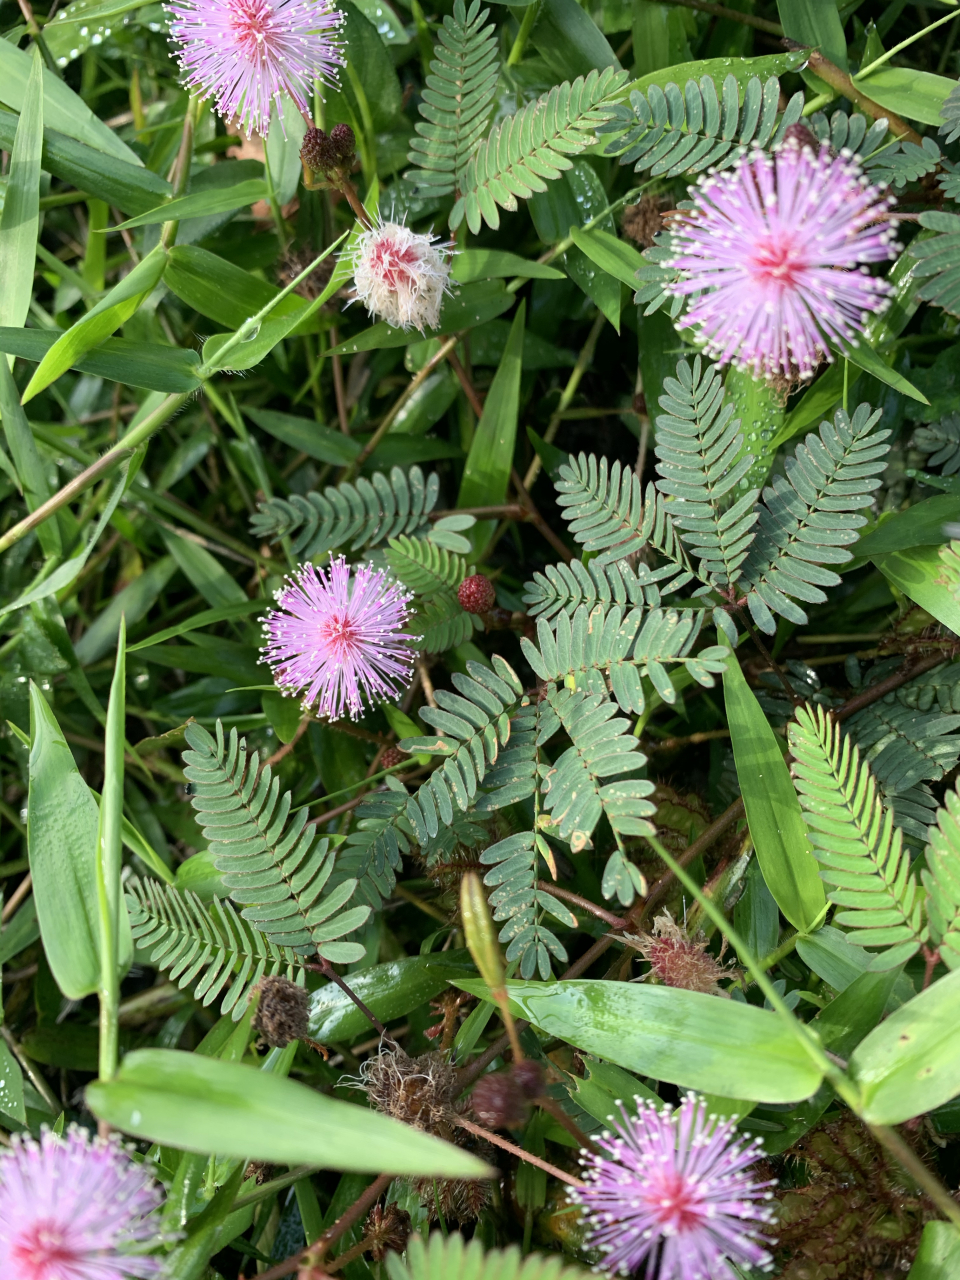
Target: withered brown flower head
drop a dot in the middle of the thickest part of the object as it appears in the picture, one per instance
(283, 1011)
(389, 1225)
(418, 1091)
(679, 961)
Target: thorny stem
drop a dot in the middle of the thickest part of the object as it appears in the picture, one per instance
(837, 79)
(880, 690)
(514, 1150)
(537, 520)
(326, 968)
(313, 1253)
(691, 740)
(469, 390)
(768, 657)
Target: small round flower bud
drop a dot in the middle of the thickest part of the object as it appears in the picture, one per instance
(476, 594)
(501, 1100)
(392, 756)
(318, 152)
(343, 142)
(282, 1013)
(529, 1077)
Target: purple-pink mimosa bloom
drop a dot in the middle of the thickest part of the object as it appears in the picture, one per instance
(338, 641)
(75, 1208)
(773, 255)
(246, 53)
(673, 1190)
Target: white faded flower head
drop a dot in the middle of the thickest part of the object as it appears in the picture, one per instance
(401, 276)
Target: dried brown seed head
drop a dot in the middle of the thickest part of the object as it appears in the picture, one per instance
(282, 1014)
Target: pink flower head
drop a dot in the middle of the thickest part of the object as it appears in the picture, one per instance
(401, 276)
(74, 1208)
(336, 640)
(673, 1190)
(246, 53)
(773, 255)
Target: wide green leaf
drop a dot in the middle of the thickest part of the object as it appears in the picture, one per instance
(569, 41)
(686, 1038)
(307, 436)
(130, 187)
(472, 305)
(918, 573)
(938, 1257)
(99, 322)
(488, 264)
(388, 990)
(918, 95)
(610, 254)
(204, 572)
(773, 810)
(919, 526)
(220, 289)
(62, 108)
(62, 822)
(815, 23)
(866, 358)
(202, 204)
(134, 364)
(910, 1063)
(20, 219)
(486, 474)
(26, 458)
(743, 71)
(202, 1104)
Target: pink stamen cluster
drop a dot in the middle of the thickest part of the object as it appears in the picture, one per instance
(401, 275)
(76, 1208)
(338, 642)
(672, 1193)
(774, 256)
(246, 53)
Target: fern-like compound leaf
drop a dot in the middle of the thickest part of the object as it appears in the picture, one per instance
(810, 516)
(939, 261)
(941, 879)
(442, 623)
(424, 567)
(854, 839)
(210, 951)
(471, 726)
(902, 162)
(567, 586)
(272, 863)
(574, 794)
(941, 440)
(904, 746)
(598, 645)
(669, 131)
(443, 1258)
(701, 463)
(850, 133)
(535, 145)
(950, 115)
(607, 514)
(456, 100)
(361, 514)
(515, 861)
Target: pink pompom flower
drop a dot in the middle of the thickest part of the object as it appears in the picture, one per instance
(774, 256)
(246, 53)
(672, 1193)
(76, 1208)
(339, 641)
(401, 276)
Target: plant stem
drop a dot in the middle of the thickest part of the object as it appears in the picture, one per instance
(181, 169)
(575, 900)
(907, 672)
(523, 35)
(904, 44)
(336, 363)
(417, 380)
(326, 968)
(111, 459)
(109, 859)
(908, 1159)
(313, 1253)
(784, 949)
(732, 15)
(515, 1151)
(832, 75)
